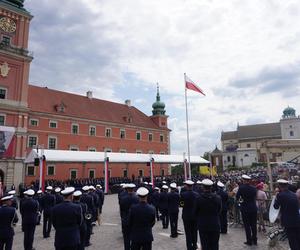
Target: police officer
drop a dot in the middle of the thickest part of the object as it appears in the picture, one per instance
(141, 221)
(8, 216)
(247, 196)
(125, 204)
(208, 211)
(92, 192)
(38, 198)
(188, 202)
(58, 197)
(48, 202)
(83, 227)
(67, 219)
(223, 214)
(163, 206)
(173, 209)
(29, 209)
(14, 199)
(288, 203)
(88, 200)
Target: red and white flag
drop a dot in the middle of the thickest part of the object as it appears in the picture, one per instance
(189, 84)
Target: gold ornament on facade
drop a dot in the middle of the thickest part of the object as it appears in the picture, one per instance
(4, 69)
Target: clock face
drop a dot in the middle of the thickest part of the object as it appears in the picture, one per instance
(7, 25)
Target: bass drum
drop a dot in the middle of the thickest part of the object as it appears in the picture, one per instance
(273, 213)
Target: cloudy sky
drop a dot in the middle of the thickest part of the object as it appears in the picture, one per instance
(245, 55)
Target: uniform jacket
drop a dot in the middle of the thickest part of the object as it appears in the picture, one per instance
(248, 195)
(125, 204)
(224, 198)
(155, 198)
(289, 208)
(58, 198)
(208, 209)
(67, 218)
(173, 202)
(8, 216)
(48, 202)
(29, 211)
(100, 194)
(188, 200)
(141, 221)
(89, 201)
(163, 200)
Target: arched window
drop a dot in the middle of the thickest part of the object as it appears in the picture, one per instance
(291, 133)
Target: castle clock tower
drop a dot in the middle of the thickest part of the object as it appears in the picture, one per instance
(14, 75)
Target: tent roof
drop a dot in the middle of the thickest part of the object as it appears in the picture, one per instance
(88, 156)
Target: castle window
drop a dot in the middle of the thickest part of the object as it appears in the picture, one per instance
(74, 148)
(2, 93)
(75, 129)
(52, 142)
(92, 173)
(32, 141)
(150, 137)
(161, 138)
(228, 158)
(6, 40)
(122, 133)
(291, 133)
(34, 122)
(51, 170)
(108, 132)
(248, 145)
(125, 173)
(141, 172)
(30, 170)
(2, 120)
(138, 136)
(92, 131)
(92, 149)
(73, 174)
(53, 124)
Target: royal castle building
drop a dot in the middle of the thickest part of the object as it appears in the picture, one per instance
(280, 141)
(33, 116)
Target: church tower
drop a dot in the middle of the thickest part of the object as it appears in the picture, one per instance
(14, 76)
(159, 116)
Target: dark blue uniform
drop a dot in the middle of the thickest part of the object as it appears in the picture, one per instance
(173, 210)
(89, 201)
(208, 211)
(188, 200)
(290, 217)
(155, 202)
(223, 215)
(101, 197)
(247, 194)
(8, 216)
(29, 209)
(83, 226)
(163, 207)
(67, 219)
(48, 202)
(58, 198)
(126, 202)
(141, 221)
(38, 198)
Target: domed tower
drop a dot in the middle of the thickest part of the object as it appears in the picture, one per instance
(290, 124)
(158, 112)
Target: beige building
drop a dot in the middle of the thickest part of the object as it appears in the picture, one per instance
(251, 144)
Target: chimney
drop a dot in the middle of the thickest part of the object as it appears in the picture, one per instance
(128, 103)
(89, 94)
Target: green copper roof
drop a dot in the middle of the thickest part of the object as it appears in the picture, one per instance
(158, 106)
(17, 3)
(289, 112)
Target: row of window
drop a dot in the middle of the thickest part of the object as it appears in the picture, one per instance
(92, 131)
(30, 171)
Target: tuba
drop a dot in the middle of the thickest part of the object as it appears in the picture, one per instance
(273, 213)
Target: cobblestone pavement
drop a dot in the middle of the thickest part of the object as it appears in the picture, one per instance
(108, 236)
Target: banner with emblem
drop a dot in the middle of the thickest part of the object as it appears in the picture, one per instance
(7, 141)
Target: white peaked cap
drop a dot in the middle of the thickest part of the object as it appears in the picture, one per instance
(130, 185)
(68, 190)
(49, 188)
(98, 185)
(165, 187)
(156, 188)
(39, 192)
(282, 181)
(150, 183)
(146, 183)
(207, 182)
(189, 182)
(91, 188)
(29, 192)
(246, 177)
(85, 188)
(7, 197)
(220, 184)
(57, 190)
(77, 193)
(12, 192)
(199, 182)
(164, 182)
(142, 191)
(173, 185)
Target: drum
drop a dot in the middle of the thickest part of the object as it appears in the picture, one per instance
(273, 213)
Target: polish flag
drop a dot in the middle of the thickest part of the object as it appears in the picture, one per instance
(189, 84)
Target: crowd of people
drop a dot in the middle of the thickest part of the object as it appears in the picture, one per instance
(73, 207)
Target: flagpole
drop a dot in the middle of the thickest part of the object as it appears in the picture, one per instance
(187, 128)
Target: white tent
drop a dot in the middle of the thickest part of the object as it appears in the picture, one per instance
(88, 156)
(64, 156)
